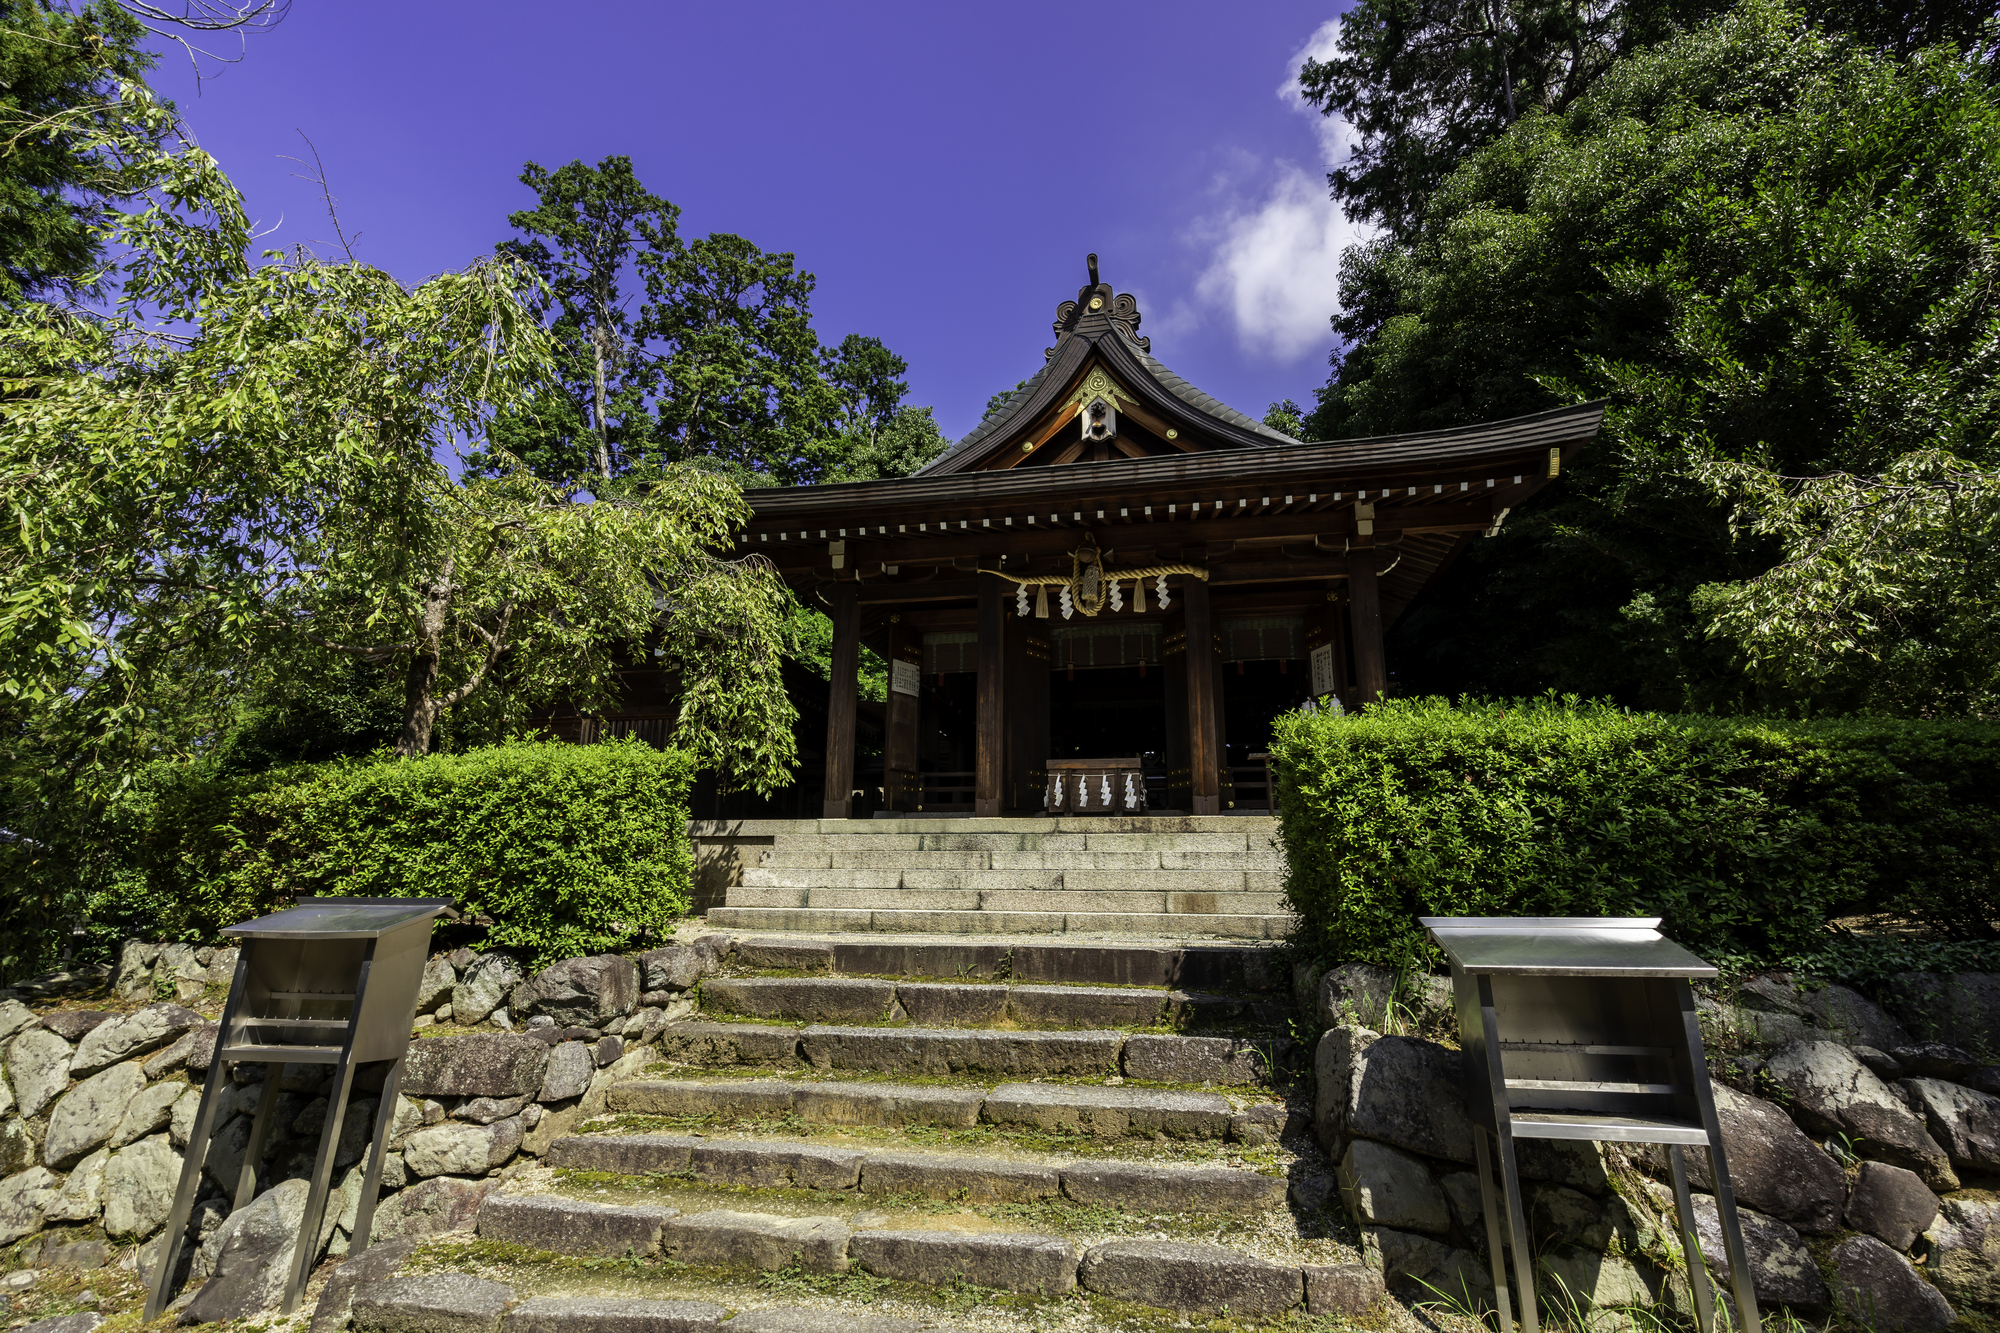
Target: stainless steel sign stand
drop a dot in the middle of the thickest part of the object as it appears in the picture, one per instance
(1584, 1028)
(334, 982)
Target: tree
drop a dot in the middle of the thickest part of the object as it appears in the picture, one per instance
(242, 465)
(1765, 244)
(1287, 417)
(1426, 83)
(1887, 597)
(580, 240)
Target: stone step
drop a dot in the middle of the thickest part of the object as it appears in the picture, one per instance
(972, 1052)
(977, 1004)
(1216, 881)
(1233, 825)
(1177, 1275)
(1102, 1112)
(813, 854)
(1052, 901)
(1167, 961)
(762, 1163)
(821, 920)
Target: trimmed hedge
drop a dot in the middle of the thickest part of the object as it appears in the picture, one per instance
(1749, 836)
(569, 849)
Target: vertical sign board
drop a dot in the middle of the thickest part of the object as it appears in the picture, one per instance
(1322, 670)
(904, 676)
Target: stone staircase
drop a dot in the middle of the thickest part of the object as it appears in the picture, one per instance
(880, 1135)
(1216, 876)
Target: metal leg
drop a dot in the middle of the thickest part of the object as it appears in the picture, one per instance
(1517, 1228)
(307, 1247)
(177, 1219)
(260, 1129)
(1718, 1161)
(1489, 1205)
(1704, 1300)
(371, 1179)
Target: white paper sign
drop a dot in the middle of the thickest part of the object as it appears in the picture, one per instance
(1322, 669)
(904, 677)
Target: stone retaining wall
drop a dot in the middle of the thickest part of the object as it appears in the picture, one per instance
(1864, 1153)
(96, 1104)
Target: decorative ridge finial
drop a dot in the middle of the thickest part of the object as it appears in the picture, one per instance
(1091, 260)
(1121, 309)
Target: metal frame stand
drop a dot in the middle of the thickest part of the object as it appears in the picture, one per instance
(1506, 1217)
(365, 953)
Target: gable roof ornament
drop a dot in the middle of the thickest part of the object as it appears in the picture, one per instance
(1120, 308)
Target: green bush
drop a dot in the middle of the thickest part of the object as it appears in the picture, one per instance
(568, 849)
(1748, 836)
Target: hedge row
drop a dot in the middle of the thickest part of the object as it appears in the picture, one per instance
(1749, 836)
(568, 849)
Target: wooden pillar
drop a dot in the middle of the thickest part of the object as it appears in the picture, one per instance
(989, 768)
(1027, 712)
(1204, 722)
(899, 740)
(840, 699)
(1173, 662)
(1371, 672)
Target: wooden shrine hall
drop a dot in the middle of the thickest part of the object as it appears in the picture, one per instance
(1090, 582)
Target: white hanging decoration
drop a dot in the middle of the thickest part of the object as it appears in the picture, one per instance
(1160, 588)
(1117, 596)
(1082, 791)
(1067, 605)
(1131, 797)
(1021, 600)
(1104, 789)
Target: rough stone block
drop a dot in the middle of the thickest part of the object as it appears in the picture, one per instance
(1966, 1124)
(38, 1067)
(623, 1154)
(1084, 1007)
(459, 1149)
(1965, 1251)
(788, 1319)
(1891, 1204)
(1144, 1188)
(776, 1165)
(1195, 1279)
(1385, 1187)
(475, 1065)
(1833, 1092)
(725, 1239)
(1773, 1168)
(1110, 1112)
(1006, 1262)
(572, 1226)
(673, 968)
(567, 1073)
(961, 1050)
(799, 955)
(88, 1114)
(693, 1097)
(887, 1104)
(377, 1263)
(1781, 1271)
(1225, 1060)
(129, 1035)
(808, 999)
(945, 1176)
(1876, 1287)
(442, 1203)
(950, 1005)
(730, 1044)
(431, 1303)
(1342, 1289)
(604, 1314)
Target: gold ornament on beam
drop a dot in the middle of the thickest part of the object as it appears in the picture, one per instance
(1087, 583)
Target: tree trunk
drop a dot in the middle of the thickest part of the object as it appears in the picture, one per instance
(600, 337)
(420, 704)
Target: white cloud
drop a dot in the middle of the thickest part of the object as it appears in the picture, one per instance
(1275, 266)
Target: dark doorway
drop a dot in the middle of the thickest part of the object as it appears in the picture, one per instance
(1254, 693)
(1108, 712)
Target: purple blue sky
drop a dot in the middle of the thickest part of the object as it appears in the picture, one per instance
(943, 169)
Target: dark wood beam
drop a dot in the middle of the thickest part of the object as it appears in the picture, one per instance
(840, 705)
(989, 778)
(1204, 739)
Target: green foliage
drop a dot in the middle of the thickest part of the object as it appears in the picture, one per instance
(570, 849)
(60, 71)
(1288, 417)
(1747, 836)
(1764, 244)
(905, 443)
(811, 646)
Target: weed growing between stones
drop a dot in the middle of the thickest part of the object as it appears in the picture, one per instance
(853, 1285)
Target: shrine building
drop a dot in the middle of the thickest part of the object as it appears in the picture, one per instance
(1098, 599)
